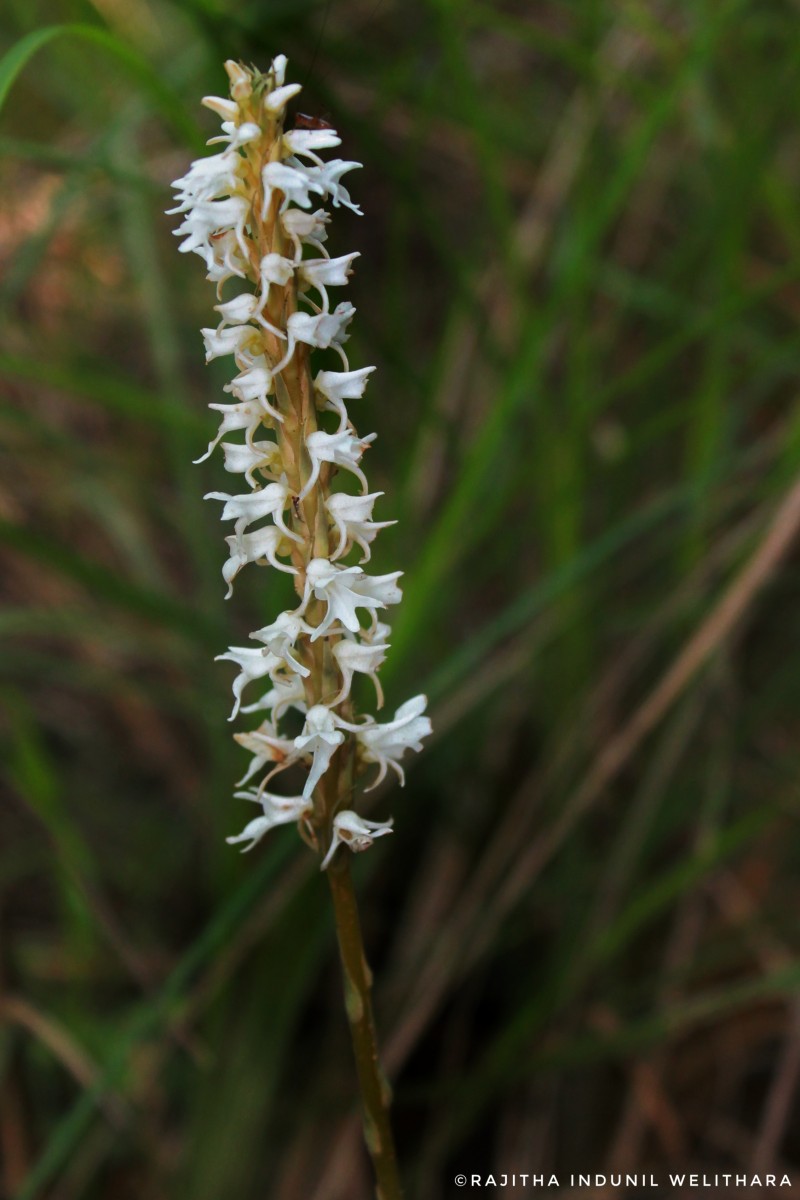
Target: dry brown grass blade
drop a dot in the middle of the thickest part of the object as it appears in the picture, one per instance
(637, 1117)
(739, 909)
(466, 936)
(63, 1046)
(698, 650)
(16, 1143)
(435, 976)
(465, 376)
(777, 1111)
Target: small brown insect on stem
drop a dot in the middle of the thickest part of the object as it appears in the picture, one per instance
(304, 121)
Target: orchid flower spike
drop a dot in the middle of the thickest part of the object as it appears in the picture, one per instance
(257, 211)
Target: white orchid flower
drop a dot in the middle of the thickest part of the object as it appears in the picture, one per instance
(320, 738)
(266, 543)
(294, 183)
(252, 664)
(266, 746)
(268, 501)
(277, 810)
(327, 180)
(287, 692)
(365, 658)
(386, 744)
(305, 229)
(281, 636)
(206, 219)
(349, 829)
(337, 386)
(324, 330)
(322, 273)
(254, 385)
(342, 449)
(276, 101)
(351, 517)
(346, 589)
(244, 459)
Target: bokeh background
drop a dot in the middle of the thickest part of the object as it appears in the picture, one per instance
(580, 280)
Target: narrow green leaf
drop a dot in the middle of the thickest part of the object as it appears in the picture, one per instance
(101, 580)
(148, 1018)
(163, 97)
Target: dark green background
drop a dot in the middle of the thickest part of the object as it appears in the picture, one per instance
(579, 281)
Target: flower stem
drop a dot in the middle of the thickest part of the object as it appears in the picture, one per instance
(375, 1091)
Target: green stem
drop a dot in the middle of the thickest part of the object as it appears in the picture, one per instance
(375, 1091)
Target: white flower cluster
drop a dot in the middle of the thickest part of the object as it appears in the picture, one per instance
(250, 212)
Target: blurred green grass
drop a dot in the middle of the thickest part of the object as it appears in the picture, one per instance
(579, 280)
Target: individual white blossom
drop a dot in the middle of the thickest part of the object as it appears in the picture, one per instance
(281, 637)
(324, 330)
(305, 229)
(237, 135)
(276, 101)
(205, 179)
(337, 386)
(268, 501)
(261, 456)
(252, 664)
(247, 415)
(245, 307)
(225, 260)
(341, 449)
(277, 810)
(279, 64)
(274, 270)
(320, 738)
(327, 179)
(351, 517)
(386, 744)
(256, 211)
(287, 692)
(239, 340)
(253, 386)
(223, 107)
(322, 273)
(266, 746)
(346, 589)
(305, 142)
(363, 657)
(206, 219)
(292, 183)
(246, 548)
(241, 78)
(349, 829)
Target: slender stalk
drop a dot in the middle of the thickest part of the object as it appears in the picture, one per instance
(375, 1090)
